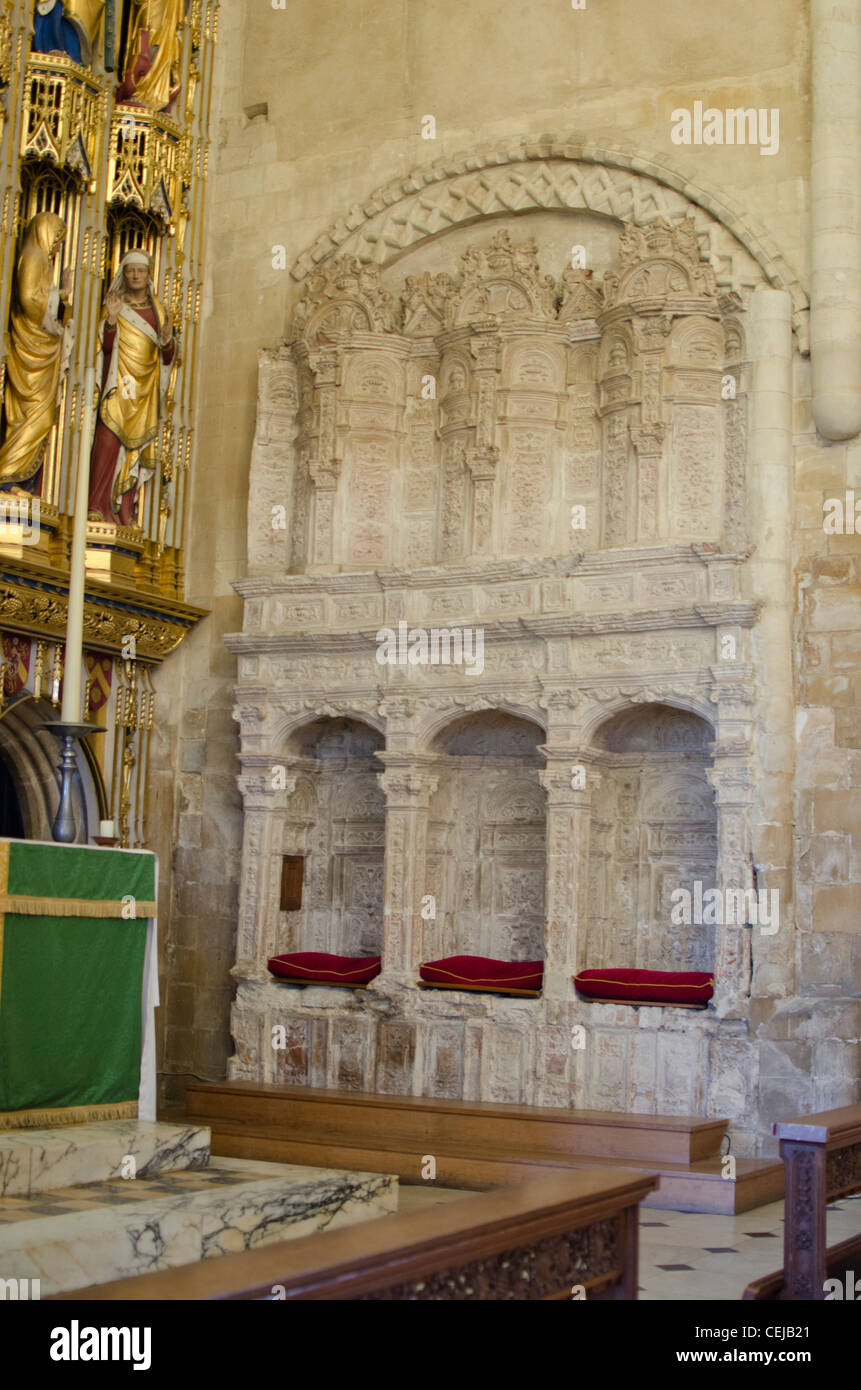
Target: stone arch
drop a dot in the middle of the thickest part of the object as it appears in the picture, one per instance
(434, 722)
(288, 725)
(455, 374)
(616, 352)
(552, 172)
(336, 738)
(372, 376)
(652, 727)
(584, 364)
(492, 733)
(605, 710)
(654, 830)
(487, 835)
(698, 340)
(335, 819)
(32, 757)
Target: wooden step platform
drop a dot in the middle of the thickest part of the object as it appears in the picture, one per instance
(476, 1144)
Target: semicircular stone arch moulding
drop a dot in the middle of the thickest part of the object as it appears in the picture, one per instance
(556, 173)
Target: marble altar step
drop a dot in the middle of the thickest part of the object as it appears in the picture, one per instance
(35, 1160)
(77, 1236)
(479, 1145)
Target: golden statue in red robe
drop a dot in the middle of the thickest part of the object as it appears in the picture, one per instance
(152, 55)
(136, 357)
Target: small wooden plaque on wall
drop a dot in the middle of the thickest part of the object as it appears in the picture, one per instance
(292, 870)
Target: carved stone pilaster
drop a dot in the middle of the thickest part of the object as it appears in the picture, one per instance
(731, 780)
(408, 788)
(324, 476)
(568, 780)
(266, 786)
(648, 441)
(400, 712)
(482, 466)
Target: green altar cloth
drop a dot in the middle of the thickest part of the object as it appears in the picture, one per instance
(73, 938)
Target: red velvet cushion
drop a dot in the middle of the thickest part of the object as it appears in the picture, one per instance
(479, 970)
(318, 967)
(647, 986)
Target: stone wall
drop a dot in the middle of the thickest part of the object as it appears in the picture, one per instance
(315, 114)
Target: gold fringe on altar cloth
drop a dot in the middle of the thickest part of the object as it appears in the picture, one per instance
(26, 906)
(71, 1115)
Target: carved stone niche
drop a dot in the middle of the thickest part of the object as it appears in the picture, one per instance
(486, 838)
(536, 395)
(654, 830)
(336, 817)
(660, 369)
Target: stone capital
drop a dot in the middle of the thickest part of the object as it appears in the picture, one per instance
(484, 350)
(324, 364)
(324, 473)
(406, 784)
(398, 709)
(731, 782)
(561, 704)
(482, 462)
(651, 331)
(649, 438)
(259, 793)
(570, 777)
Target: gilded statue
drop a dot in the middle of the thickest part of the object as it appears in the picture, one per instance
(152, 55)
(137, 353)
(38, 347)
(71, 27)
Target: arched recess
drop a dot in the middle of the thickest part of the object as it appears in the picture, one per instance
(653, 830)
(486, 838)
(431, 731)
(555, 172)
(335, 819)
(31, 755)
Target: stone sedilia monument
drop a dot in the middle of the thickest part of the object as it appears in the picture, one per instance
(544, 398)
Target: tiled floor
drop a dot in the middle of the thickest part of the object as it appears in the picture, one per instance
(697, 1257)
(691, 1256)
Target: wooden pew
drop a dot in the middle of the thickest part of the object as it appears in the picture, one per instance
(822, 1160)
(537, 1241)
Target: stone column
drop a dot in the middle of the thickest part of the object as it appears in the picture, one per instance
(264, 796)
(733, 798)
(835, 200)
(482, 465)
(408, 788)
(324, 477)
(649, 444)
(482, 458)
(324, 468)
(650, 336)
(567, 851)
(770, 482)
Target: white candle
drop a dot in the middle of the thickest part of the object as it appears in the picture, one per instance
(106, 829)
(71, 708)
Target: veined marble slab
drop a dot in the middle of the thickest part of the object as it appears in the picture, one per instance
(137, 1237)
(36, 1160)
